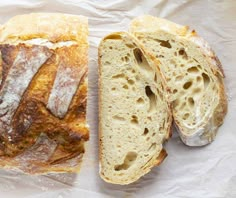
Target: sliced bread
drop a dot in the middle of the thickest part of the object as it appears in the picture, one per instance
(134, 116)
(193, 73)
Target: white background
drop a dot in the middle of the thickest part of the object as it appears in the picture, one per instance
(208, 171)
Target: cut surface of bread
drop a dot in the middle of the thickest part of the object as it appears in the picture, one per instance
(43, 92)
(193, 73)
(134, 117)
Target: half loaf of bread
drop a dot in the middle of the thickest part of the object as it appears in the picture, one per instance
(193, 74)
(134, 116)
(43, 92)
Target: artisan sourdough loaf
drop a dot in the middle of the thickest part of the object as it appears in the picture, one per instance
(193, 73)
(43, 92)
(134, 116)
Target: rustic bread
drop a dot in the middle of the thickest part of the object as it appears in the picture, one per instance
(43, 92)
(134, 117)
(193, 74)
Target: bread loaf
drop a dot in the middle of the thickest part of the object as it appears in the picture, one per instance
(193, 73)
(134, 116)
(43, 92)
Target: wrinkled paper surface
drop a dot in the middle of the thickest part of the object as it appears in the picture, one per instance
(208, 171)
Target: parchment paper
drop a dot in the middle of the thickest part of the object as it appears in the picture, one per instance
(208, 171)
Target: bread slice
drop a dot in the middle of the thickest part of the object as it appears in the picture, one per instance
(193, 74)
(134, 117)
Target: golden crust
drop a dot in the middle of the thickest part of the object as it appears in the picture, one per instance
(163, 154)
(60, 140)
(52, 26)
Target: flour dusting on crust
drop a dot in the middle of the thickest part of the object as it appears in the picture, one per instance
(25, 66)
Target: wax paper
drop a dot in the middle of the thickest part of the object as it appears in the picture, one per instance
(187, 172)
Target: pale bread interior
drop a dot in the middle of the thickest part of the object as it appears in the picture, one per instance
(134, 115)
(191, 80)
(194, 84)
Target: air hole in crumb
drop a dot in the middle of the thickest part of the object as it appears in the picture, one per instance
(191, 101)
(186, 115)
(152, 98)
(155, 77)
(113, 88)
(199, 79)
(107, 63)
(140, 101)
(110, 47)
(131, 82)
(142, 62)
(183, 54)
(179, 78)
(164, 43)
(129, 45)
(187, 85)
(126, 59)
(125, 87)
(206, 79)
(200, 67)
(153, 134)
(145, 131)
(138, 55)
(118, 76)
(193, 70)
(160, 56)
(152, 147)
(118, 118)
(128, 161)
(197, 62)
(196, 90)
(175, 91)
(148, 138)
(134, 119)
